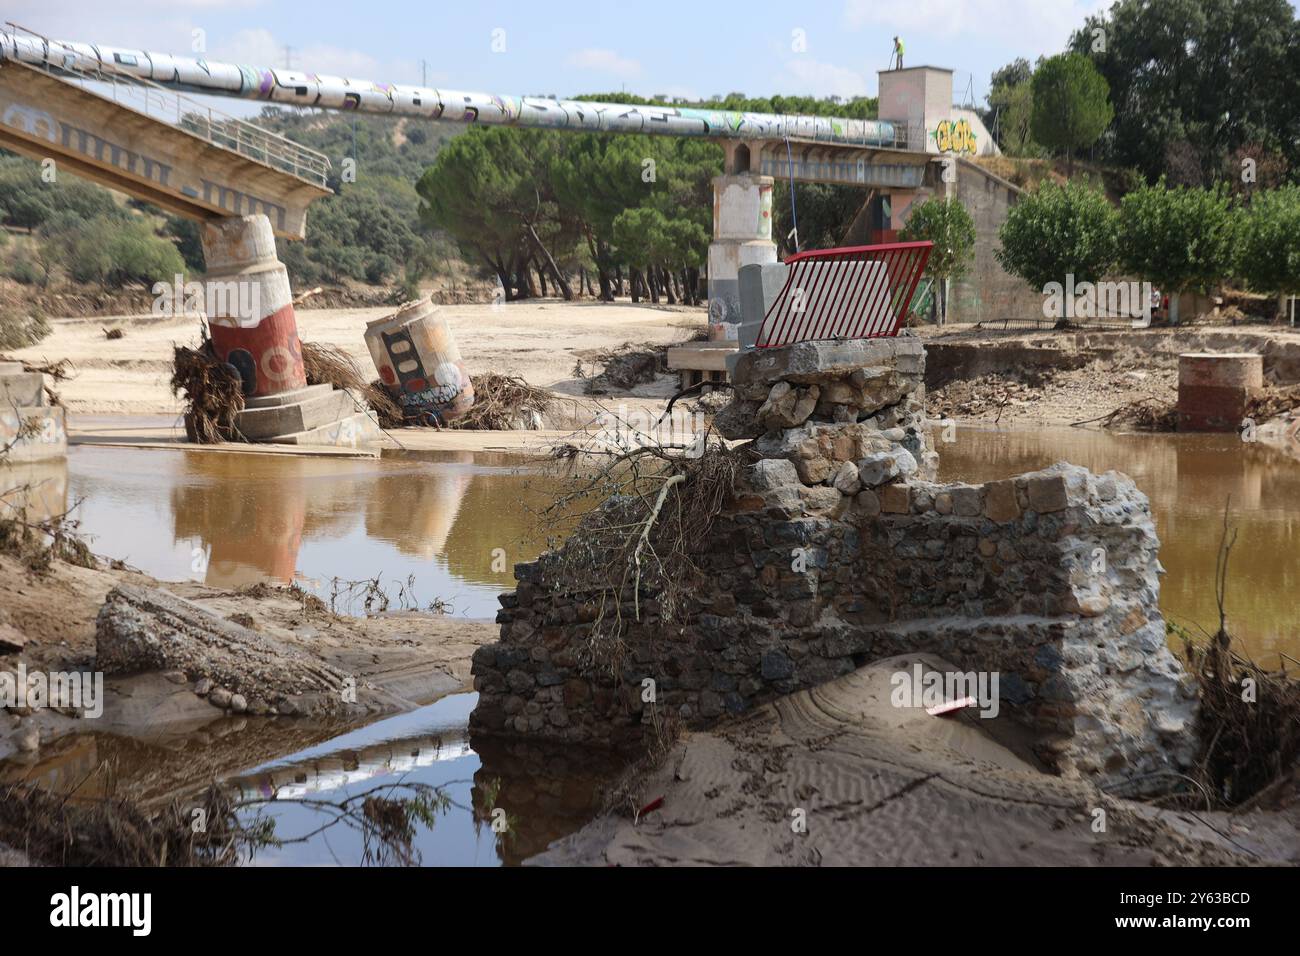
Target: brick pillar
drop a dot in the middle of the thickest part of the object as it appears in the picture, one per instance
(250, 306)
(1214, 390)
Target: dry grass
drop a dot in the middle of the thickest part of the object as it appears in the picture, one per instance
(382, 403)
(55, 830)
(330, 365)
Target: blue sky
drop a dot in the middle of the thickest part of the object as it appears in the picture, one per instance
(566, 47)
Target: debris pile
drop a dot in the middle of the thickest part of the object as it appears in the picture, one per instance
(212, 391)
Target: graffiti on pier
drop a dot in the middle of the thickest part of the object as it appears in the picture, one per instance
(955, 136)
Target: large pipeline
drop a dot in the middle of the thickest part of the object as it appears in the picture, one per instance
(321, 91)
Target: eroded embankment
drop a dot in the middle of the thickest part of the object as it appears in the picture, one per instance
(1072, 377)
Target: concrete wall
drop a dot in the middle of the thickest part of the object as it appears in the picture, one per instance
(988, 291)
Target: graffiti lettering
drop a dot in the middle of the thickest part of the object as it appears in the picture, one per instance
(955, 137)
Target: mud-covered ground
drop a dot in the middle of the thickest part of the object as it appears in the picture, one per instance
(47, 623)
(1125, 379)
(837, 776)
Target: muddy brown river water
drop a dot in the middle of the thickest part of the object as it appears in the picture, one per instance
(448, 528)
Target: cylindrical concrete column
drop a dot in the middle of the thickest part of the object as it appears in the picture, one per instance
(419, 362)
(250, 307)
(742, 235)
(1214, 390)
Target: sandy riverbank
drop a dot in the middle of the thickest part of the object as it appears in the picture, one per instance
(541, 341)
(878, 785)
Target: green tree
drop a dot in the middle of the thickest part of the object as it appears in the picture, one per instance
(1057, 231)
(1268, 256)
(947, 224)
(1011, 108)
(113, 251)
(1213, 74)
(1071, 105)
(1179, 238)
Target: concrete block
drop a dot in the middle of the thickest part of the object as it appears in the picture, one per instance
(287, 398)
(265, 424)
(806, 362)
(24, 389)
(350, 432)
(43, 433)
(759, 287)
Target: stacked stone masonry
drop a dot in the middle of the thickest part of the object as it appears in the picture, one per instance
(839, 548)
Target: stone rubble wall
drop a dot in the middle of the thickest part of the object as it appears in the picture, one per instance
(839, 548)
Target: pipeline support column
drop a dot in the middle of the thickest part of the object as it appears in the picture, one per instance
(742, 235)
(254, 330)
(250, 305)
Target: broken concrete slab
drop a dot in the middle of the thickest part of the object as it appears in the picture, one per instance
(142, 629)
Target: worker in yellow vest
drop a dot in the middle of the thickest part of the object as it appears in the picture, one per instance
(898, 53)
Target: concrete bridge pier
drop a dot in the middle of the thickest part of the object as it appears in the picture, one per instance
(250, 313)
(250, 306)
(742, 232)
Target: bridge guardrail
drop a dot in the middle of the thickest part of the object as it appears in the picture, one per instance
(859, 292)
(168, 106)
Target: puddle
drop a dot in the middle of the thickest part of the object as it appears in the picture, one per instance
(454, 526)
(544, 792)
(233, 520)
(1188, 478)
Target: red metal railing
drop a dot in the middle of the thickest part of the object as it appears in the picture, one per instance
(860, 292)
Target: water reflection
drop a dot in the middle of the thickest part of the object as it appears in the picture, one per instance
(456, 524)
(545, 792)
(1189, 479)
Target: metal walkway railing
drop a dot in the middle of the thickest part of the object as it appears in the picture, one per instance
(167, 106)
(860, 292)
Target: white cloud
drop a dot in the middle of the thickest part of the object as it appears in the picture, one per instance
(604, 61)
(1036, 24)
(809, 77)
(261, 48)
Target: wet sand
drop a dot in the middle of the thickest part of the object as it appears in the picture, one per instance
(409, 658)
(883, 786)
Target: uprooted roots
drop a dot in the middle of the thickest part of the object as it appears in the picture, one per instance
(1249, 722)
(212, 391)
(632, 558)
